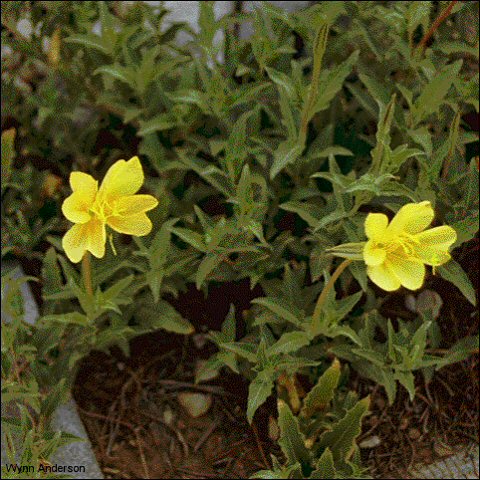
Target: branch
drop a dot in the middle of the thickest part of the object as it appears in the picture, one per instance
(442, 17)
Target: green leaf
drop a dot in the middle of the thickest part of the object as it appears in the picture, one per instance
(51, 275)
(454, 273)
(397, 157)
(311, 213)
(208, 370)
(207, 265)
(162, 315)
(466, 229)
(8, 154)
(331, 82)
(283, 81)
(292, 441)
(379, 93)
(69, 318)
(341, 438)
(289, 342)
(407, 379)
(118, 72)
(55, 397)
(244, 350)
(341, 308)
(332, 150)
(229, 326)
(259, 390)
(91, 40)
(322, 393)
(163, 121)
(461, 350)
(433, 94)
(423, 137)
(112, 292)
(236, 149)
(319, 47)
(191, 237)
(190, 96)
(325, 466)
(157, 256)
(288, 113)
(345, 331)
(417, 13)
(382, 137)
(286, 154)
(274, 305)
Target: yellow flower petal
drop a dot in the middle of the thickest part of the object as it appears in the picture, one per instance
(441, 237)
(433, 244)
(84, 183)
(86, 236)
(96, 238)
(122, 178)
(412, 218)
(373, 256)
(375, 225)
(74, 243)
(410, 272)
(133, 204)
(138, 224)
(383, 277)
(76, 207)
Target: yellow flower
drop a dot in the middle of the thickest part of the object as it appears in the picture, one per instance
(114, 204)
(396, 253)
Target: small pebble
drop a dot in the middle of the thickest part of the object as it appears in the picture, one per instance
(195, 404)
(370, 442)
(168, 415)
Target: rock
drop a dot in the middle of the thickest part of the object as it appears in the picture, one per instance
(195, 404)
(370, 442)
(168, 415)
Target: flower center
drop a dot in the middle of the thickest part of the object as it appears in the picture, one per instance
(102, 209)
(403, 244)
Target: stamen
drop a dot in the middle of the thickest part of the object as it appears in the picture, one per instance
(110, 238)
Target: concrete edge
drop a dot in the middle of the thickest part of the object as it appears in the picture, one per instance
(65, 418)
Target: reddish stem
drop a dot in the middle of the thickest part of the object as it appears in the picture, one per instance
(436, 24)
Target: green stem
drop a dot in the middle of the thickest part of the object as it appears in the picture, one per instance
(87, 273)
(326, 289)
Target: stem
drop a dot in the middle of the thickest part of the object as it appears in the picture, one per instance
(436, 24)
(87, 273)
(326, 289)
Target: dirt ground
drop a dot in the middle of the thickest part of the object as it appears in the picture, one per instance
(138, 428)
